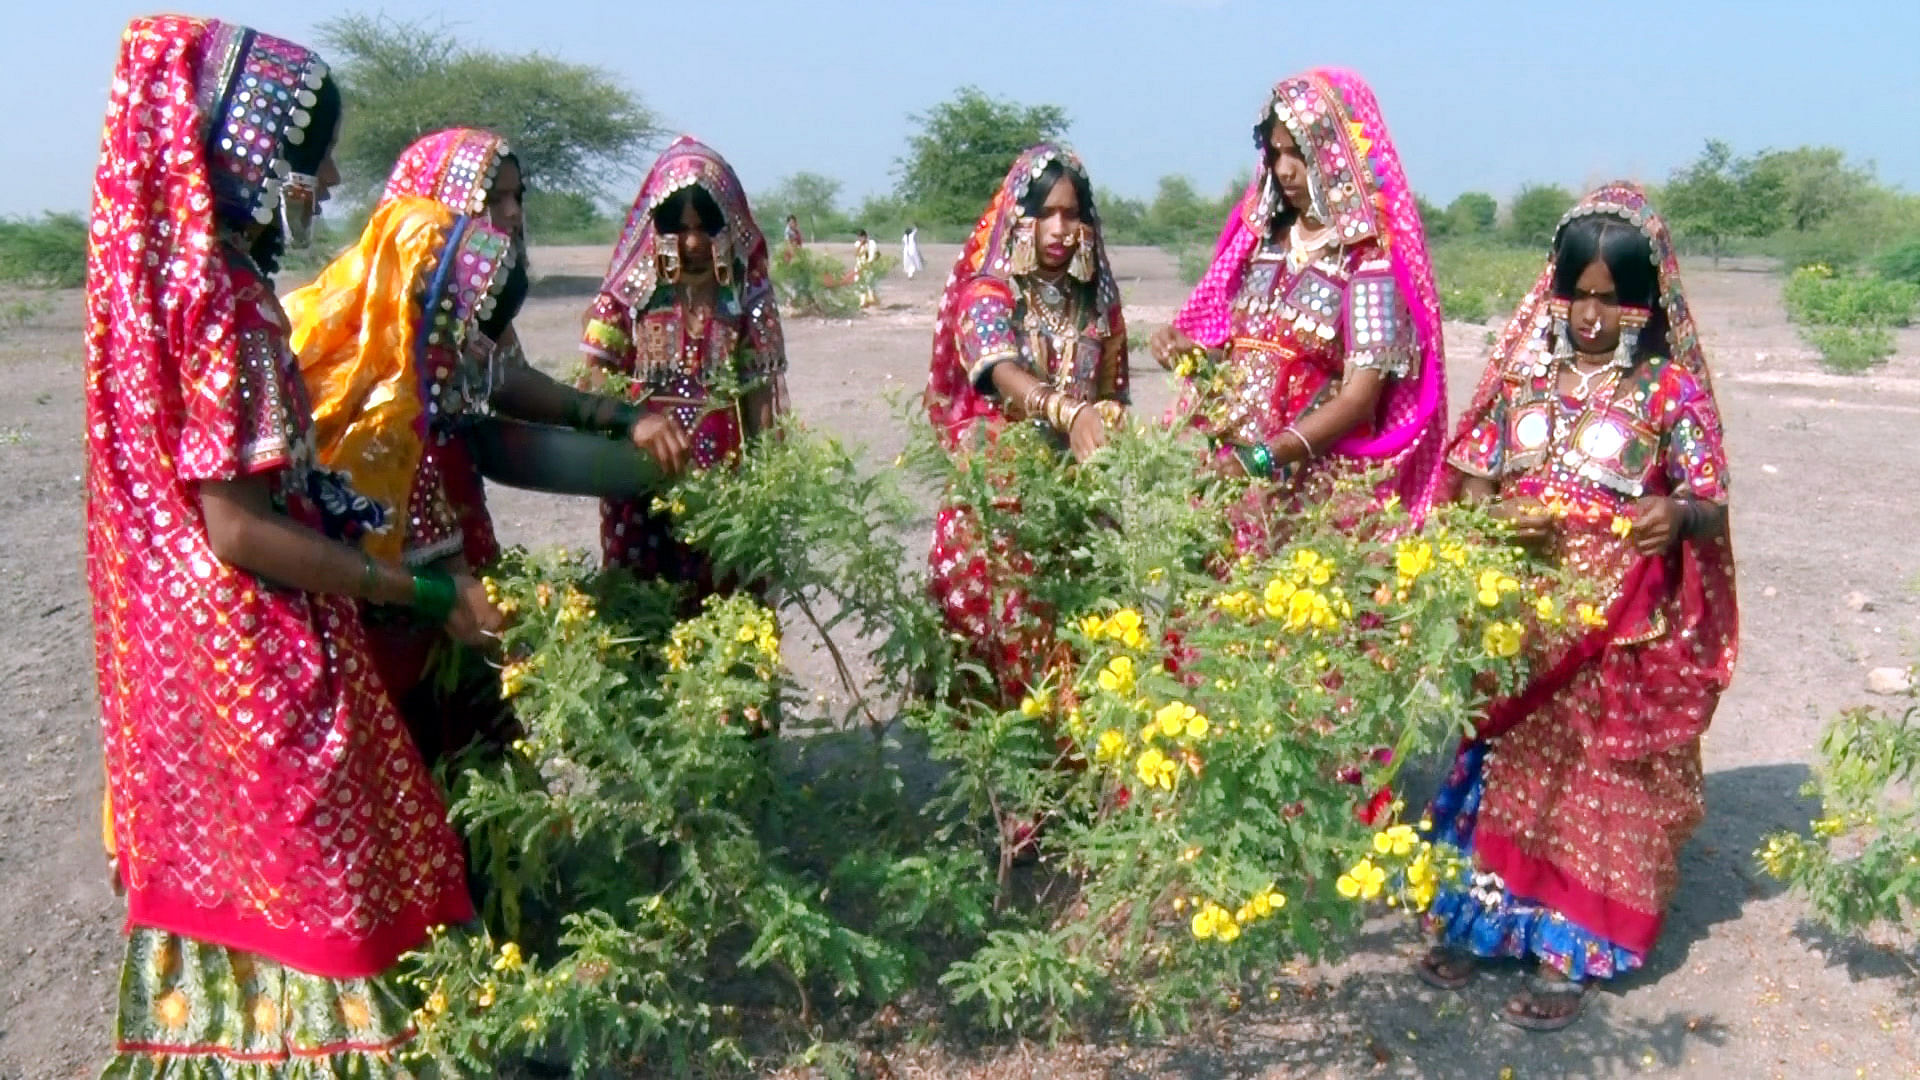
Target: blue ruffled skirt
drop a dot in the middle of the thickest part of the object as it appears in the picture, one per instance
(1475, 912)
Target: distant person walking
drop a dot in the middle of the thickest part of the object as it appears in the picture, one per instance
(794, 240)
(910, 258)
(866, 260)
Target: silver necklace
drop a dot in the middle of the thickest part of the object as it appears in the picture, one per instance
(1586, 378)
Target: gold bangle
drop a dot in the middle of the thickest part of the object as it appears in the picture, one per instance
(1068, 411)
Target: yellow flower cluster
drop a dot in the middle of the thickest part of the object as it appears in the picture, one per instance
(1412, 560)
(1211, 921)
(577, 608)
(1503, 639)
(1111, 747)
(1157, 770)
(1124, 626)
(675, 507)
(1492, 585)
(757, 630)
(1036, 705)
(498, 597)
(1177, 720)
(1394, 845)
(1304, 608)
(1591, 616)
(514, 676)
(1117, 677)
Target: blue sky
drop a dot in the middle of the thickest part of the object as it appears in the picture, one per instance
(1479, 94)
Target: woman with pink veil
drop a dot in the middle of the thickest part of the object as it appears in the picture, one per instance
(1312, 346)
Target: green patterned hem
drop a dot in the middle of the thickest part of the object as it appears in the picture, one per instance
(190, 1010)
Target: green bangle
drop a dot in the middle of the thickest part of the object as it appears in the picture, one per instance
(1257, 460)
(433, 594)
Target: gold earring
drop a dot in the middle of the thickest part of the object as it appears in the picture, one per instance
(666, 256)
(1024, 260)
(1081, 265)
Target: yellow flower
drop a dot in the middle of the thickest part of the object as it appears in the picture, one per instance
(1034, 706)
(745, 634)
(1454, 553)
(1412, 560)
(1175, 718)
(1592, 616)
(1363, 882)
(1279, 594)
(1202, 924)
(1197, 726)
(1548, 611)
(509, 958)
(1238, 604)
(1311, 568)
(1420, 870)
(1156, 769)
(1155, 575)
(1124, 627)
(1093, 626)
(1502, 639)
(1621, 526)
(1117, 676)
(1395, 840)
(1225, 929)
(768, 642)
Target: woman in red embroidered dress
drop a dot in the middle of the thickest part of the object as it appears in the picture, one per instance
(278, 839)
(686, 314)
(1319, 309)
(1030, 329)
(1595, 429)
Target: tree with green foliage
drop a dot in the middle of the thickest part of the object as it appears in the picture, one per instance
(808, 196)
(963, 149)
(1535, 214)
(1807, 185)
(1433, 218)
(1718, 198)
(1472, 213)
(571, 126)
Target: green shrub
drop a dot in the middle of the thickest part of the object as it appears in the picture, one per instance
(1901, 262)
(1817, 296)
(665, 884)
(48, 253)
(808, 281)
(1850, 350)
(1860, 868)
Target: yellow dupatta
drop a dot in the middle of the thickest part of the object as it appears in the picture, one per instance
(379, 335)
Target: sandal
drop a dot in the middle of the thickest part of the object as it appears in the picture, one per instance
(1549, 1003)
(1446, 969)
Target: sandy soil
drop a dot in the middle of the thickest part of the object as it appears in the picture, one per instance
(1739, 987)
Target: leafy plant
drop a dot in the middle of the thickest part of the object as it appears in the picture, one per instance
(1860, 867)
(1178, 803)
(1817, 296)
(808, 282)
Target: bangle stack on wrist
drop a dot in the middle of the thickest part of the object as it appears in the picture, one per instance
(1305, 443)
(433, 594)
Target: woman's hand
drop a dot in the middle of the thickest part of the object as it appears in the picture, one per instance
(662, 437)
(1656, 524)
(474, 620)
(1087, 434)
(1169, 342)
(1226, 464)
(1533, 524)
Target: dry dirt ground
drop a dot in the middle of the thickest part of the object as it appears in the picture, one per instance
(1739, 987)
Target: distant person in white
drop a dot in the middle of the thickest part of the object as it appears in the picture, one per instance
(910, 252)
